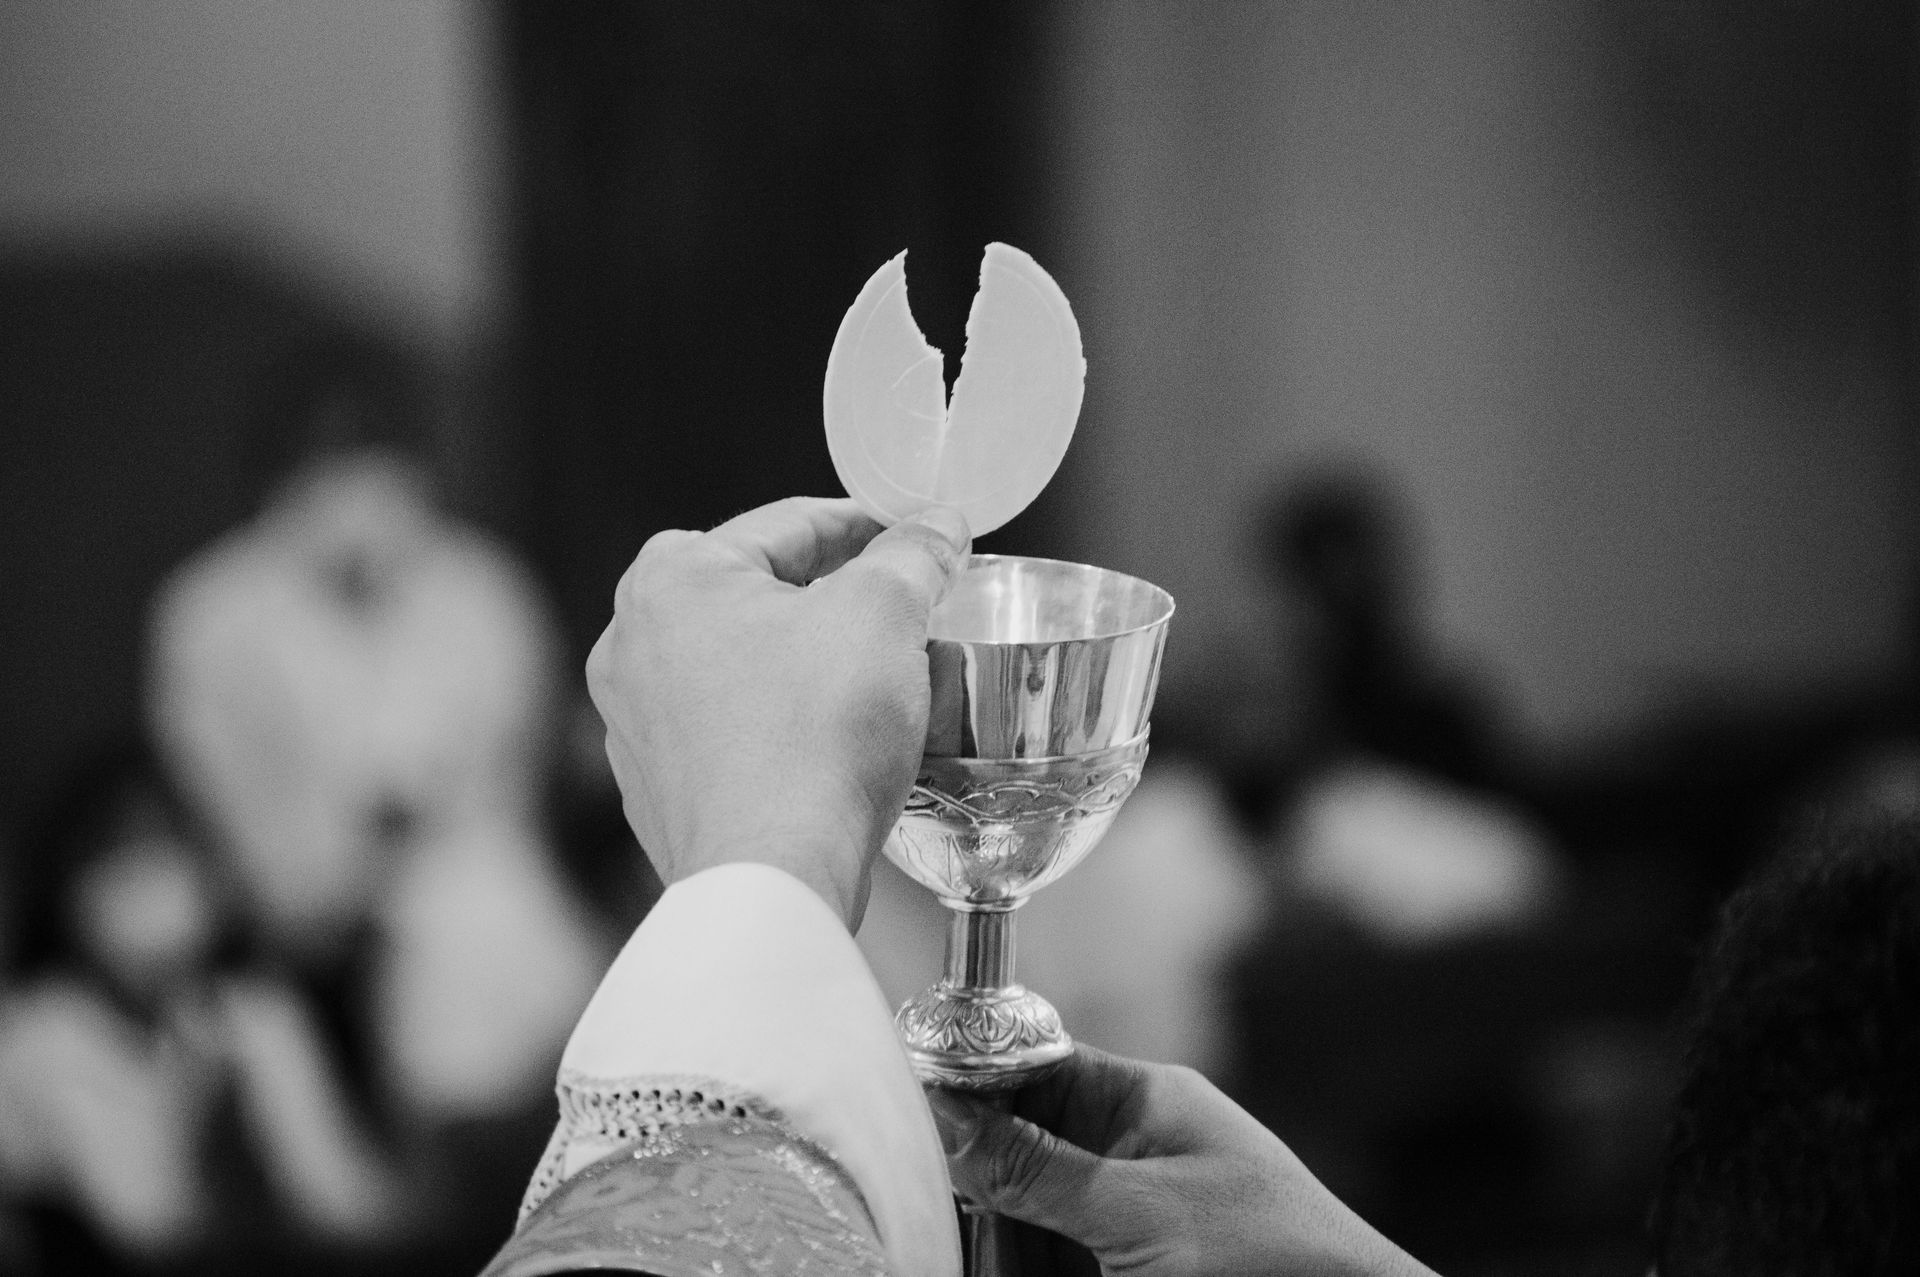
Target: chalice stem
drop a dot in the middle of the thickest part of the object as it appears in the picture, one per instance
(980, 956)
(986, 1239)
(980, 948)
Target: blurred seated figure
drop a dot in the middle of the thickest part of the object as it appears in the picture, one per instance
(111, 1081)
(1338, 548)
(1795, 1145)
(359, 697)
(1383, 796)
(355, 697)
(167, 1100)
(356, 694)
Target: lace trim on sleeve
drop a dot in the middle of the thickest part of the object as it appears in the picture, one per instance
(728, 1197)
(599, 1116)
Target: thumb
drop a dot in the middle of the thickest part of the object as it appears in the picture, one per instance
(924, 553)
(1012, 1167)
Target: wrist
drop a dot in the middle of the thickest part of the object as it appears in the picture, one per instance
(839, 886)
(823, 865)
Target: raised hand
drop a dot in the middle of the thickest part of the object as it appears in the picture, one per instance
(765, 688)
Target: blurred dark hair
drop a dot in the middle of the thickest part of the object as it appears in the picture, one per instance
(1795, 1145)
(336, 394)
(81, 821)
(1341, 534)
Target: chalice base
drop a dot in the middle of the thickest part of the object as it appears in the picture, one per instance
(982, 1039)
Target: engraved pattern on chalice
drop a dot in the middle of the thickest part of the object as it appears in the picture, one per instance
(986, 1025)
(1043, 678)
(977, 830)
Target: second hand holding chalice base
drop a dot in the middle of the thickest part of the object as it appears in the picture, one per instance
(1043, 677)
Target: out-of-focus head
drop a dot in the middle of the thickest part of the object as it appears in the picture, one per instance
(1338, 538)
(342, 428)
(1795, 1146)
(113, 881)
(347, 507)
(143, 909)
(341, 396)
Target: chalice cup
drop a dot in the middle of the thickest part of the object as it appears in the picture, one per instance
(1043, 677)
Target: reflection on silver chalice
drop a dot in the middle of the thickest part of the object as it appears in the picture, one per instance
(1043, 677)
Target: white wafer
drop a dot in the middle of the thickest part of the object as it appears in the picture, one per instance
(899, 444)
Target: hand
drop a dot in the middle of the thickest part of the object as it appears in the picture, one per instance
(1156, 1173)
(765, 688)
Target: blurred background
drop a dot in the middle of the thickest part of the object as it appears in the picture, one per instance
(1517, 399)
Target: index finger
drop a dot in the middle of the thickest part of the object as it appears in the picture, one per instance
(1083, 1098)
(799, 538)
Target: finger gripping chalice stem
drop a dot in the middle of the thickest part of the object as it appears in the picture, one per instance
(1043, 676)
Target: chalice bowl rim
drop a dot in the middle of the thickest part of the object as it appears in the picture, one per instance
(1160, 596)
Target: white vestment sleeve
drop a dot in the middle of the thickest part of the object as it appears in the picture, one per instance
(743, 975)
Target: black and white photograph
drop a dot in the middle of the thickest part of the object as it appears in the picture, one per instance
(994, 639)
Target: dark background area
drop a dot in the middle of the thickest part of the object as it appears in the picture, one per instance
(702, 192)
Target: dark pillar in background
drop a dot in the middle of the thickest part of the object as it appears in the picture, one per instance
(700, 192)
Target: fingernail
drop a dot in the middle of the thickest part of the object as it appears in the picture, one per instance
(948, 522)
(954, 1118)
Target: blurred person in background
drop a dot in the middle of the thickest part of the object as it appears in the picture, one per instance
(1382, 782)
(116, 1112)
(359, 695)
(355, 698)
(1404, 1015)
(1338, 546)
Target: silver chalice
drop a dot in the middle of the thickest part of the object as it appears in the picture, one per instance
(1043, 677)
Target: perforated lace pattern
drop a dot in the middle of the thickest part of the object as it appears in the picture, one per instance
(726, 1197)
(599, 1116)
